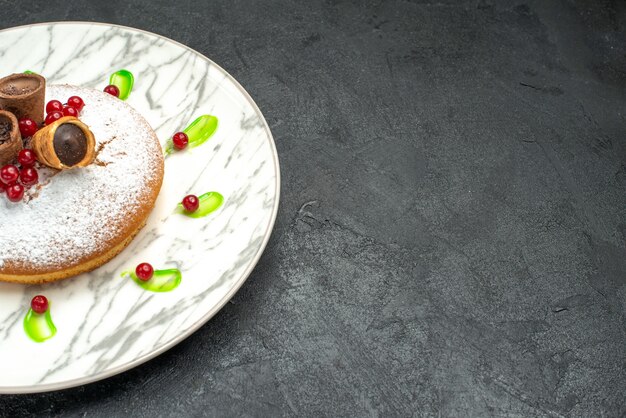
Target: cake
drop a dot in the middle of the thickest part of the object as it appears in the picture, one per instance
(85, 208)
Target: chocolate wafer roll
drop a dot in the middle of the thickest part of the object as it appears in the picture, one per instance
(10, 138)
(65, 143)
(24, 96)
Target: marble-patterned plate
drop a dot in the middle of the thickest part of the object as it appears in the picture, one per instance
(107, 324)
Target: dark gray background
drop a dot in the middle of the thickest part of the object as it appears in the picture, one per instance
(451, 236)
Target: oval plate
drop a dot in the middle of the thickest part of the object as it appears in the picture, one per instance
(107, 324)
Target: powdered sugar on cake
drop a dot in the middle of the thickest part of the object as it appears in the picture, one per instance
(76, 211)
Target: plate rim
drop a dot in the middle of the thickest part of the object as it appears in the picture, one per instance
(50, 387)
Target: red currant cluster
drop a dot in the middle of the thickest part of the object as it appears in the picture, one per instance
(14, 180)
(55, 110)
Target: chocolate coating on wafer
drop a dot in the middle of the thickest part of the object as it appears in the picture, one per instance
(70, 144)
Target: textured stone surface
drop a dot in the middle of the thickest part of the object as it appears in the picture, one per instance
(451, 239)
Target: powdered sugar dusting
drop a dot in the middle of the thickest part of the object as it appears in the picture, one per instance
(78, 212)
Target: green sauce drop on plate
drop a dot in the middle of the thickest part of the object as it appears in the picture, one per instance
(124, 81)
(39, 327)
(201, 129)
(198, 132)
(161, 281)
(209, 203)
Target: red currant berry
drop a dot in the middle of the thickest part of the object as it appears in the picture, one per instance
(112, 90)
(144, 272)
(4, 187)
(28, 127)
(15, 193)
(191, 203)
(76, 102)
(54, 105)
(39, 304)
(180, 140)
(70, 111)
(26, 157)
(53, 116)
(9, 174)
(29, 176)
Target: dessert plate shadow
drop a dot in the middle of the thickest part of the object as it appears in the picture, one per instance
(107, 323)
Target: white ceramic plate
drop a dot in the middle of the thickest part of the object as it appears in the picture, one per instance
(107, 324)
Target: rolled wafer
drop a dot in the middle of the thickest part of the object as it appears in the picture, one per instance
(24, 96)
(10, 137)
(65, 143)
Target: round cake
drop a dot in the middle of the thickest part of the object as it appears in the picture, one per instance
(75, 220)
